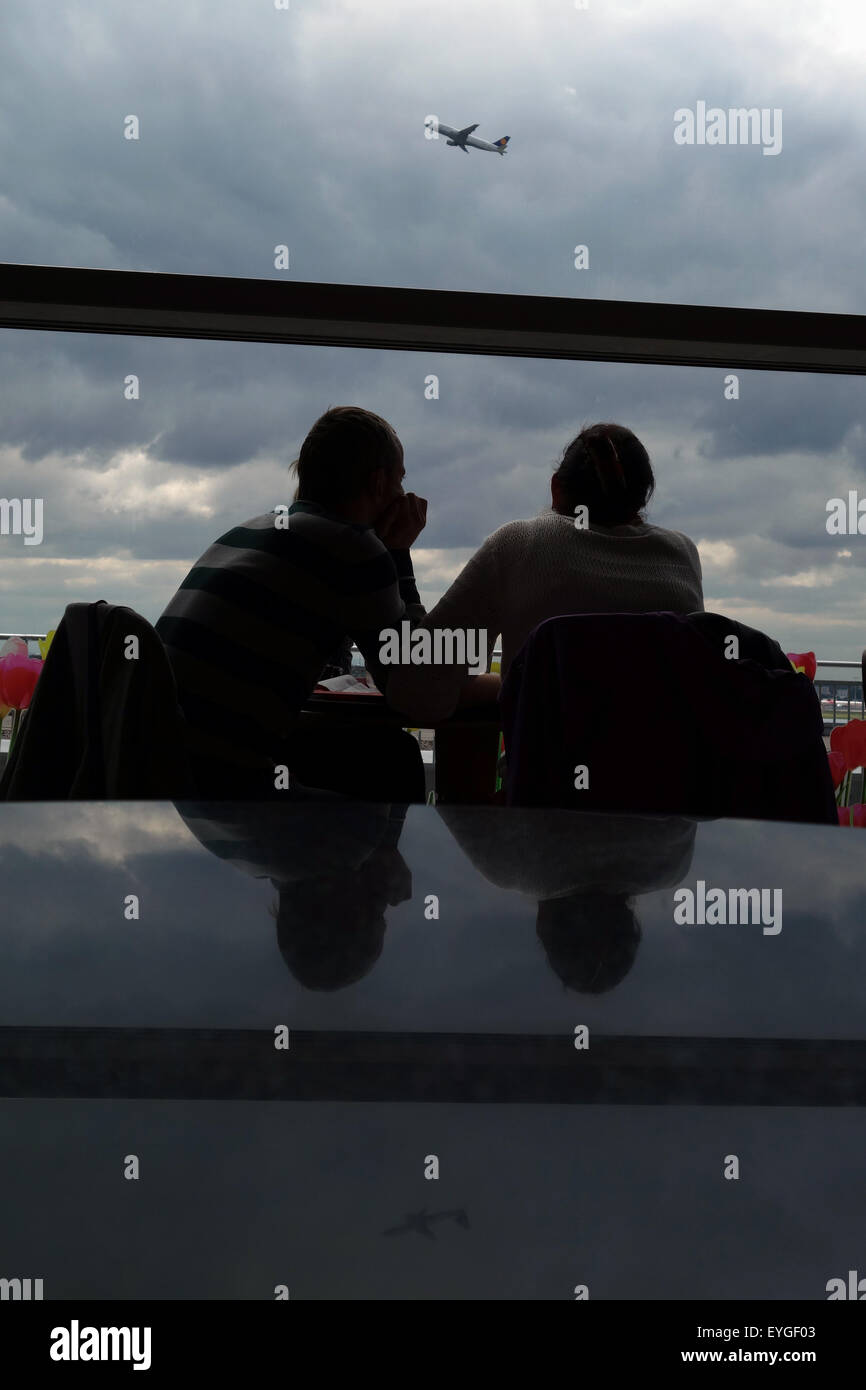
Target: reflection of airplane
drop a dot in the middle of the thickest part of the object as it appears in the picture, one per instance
(420, 1221)
(462, 138)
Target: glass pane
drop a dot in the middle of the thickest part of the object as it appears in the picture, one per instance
(144, 451)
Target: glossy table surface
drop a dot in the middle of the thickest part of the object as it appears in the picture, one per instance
(431, 968)
(354, 883)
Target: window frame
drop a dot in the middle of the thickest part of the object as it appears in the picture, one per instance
(154, 304)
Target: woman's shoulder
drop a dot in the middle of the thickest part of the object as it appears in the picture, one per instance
(546, 521)
(548, 525)
(676, 538)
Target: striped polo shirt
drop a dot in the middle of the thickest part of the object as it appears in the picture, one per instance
(263, 611)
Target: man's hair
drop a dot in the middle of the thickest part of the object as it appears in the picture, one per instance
(344, 447)
(330, 930)
(591, 938)
(607, 470)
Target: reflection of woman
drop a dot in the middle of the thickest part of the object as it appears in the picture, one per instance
(584, 870)
(604, 558)
(335, 866)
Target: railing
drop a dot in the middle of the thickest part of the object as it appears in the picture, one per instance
(840, 700)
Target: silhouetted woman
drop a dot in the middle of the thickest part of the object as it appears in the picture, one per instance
(592, 551)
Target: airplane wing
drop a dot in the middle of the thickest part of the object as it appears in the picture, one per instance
(461, 134)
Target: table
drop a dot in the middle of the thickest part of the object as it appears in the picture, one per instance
(466, 744)
(440, 1029)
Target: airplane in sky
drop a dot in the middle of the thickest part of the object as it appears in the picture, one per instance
(462, 138)
(420, 1221)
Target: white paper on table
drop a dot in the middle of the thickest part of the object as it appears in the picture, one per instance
(349, 685)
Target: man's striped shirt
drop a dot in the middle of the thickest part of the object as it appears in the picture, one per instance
(263, 611)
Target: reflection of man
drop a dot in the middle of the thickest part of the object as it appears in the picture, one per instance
(584, 870)
(336, 869)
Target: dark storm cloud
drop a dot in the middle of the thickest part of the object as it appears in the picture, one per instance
(778, 412)
(208, 404)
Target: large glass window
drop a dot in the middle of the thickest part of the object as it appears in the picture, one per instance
(143, 451)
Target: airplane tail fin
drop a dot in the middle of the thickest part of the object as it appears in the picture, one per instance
(501, 144)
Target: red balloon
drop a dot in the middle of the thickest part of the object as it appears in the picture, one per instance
(18, 677)
(805, 662)
(850, 740)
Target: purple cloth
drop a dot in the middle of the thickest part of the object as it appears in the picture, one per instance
(663, 720)
(100, 725)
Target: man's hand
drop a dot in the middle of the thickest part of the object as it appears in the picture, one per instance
(402, 521)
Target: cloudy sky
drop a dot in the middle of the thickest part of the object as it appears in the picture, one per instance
(261, 127)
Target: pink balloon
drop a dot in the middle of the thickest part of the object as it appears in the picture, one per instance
(18, 677)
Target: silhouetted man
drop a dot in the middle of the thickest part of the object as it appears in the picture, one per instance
(264, 610)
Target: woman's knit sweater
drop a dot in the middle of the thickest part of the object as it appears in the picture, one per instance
(528, 571)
